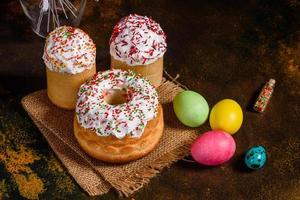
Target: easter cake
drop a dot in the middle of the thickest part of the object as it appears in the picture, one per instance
(70, 59)
(118, 117)
(138, 43)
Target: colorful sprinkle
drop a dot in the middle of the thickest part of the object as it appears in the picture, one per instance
(264, 96)
(69, 50)
(137, 40)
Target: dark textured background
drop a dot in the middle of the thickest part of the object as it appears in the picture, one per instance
(221, 49)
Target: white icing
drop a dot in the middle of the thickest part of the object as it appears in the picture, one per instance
(69, 50)
(130, 118)
(137, 40)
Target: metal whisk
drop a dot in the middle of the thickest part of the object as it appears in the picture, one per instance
(46, 15)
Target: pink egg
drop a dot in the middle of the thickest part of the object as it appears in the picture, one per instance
(213, 148)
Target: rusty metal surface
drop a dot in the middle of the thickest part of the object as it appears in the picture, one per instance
(221, 50)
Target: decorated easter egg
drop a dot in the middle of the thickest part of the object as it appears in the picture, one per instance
(256, 157)
(190, 108)
(226, 115)
(213, 148)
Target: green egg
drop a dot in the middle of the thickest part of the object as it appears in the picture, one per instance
(190, 108)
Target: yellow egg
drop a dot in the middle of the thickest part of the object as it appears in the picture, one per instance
(226, 115)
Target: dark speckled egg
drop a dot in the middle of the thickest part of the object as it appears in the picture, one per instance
(256, 157)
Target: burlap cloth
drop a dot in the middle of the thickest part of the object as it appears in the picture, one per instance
(97, 177)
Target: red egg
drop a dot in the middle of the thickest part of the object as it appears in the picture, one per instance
(213, 148)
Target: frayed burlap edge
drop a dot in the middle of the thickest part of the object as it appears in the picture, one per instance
(133, 183)
(99, 188)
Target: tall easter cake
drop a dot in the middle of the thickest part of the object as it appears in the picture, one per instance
(138, 43)
(70, 59)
